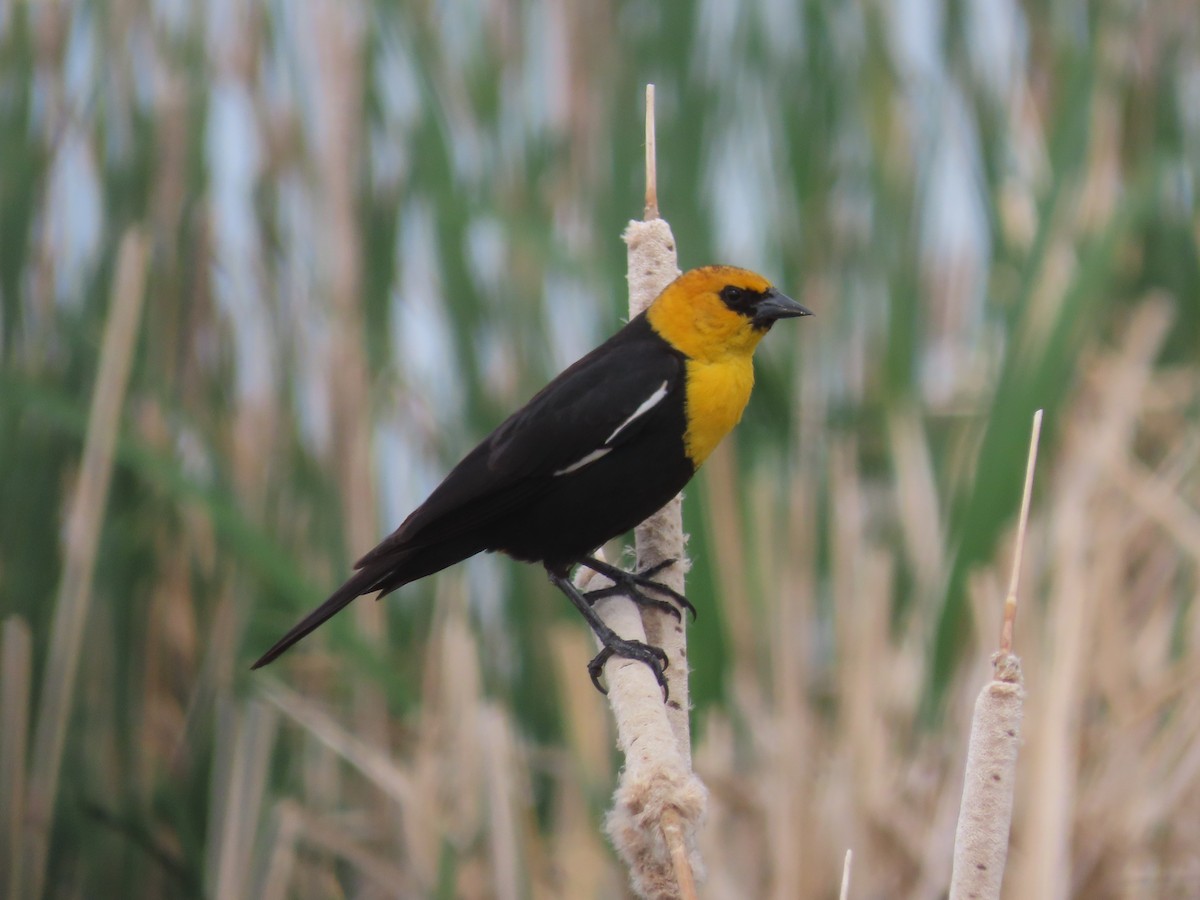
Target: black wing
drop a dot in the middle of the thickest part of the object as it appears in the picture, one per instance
(600, 402)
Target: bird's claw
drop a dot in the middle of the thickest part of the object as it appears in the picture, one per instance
(629, 584)
(630, 591)
(646, 578)
(651, 571)
(652, 656)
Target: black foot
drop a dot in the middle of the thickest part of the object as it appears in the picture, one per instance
(654, 657)
(612, 643)
(628, 584)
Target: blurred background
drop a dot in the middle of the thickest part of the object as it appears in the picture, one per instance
(268, 269)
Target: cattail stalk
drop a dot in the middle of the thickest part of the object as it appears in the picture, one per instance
(985, 817)
(659, 801)
(82, 539)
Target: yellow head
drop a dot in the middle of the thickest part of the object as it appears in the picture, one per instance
(718, 311)
(716, 316)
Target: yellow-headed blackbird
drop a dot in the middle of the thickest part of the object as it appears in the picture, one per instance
(600, 448)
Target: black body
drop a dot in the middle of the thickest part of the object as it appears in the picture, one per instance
(511, 492)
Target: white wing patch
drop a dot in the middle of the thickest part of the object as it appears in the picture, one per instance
(590, 458)
(648, 404)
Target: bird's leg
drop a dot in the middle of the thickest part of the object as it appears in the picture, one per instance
(613, 643)
(628, 584)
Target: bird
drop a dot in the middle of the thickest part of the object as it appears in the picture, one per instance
(599, 449)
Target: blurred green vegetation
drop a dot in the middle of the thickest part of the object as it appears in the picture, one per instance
(968, 203)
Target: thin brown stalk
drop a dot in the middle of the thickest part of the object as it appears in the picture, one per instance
(726, 524)
(503, 804)
(371, 762)
(675, 835)
(339, 36)
(84, 522)
(238, 792)
(1160, 501)
(326, 835)
(844, 893)
(1010, 600)
(651, 159)
(16, 666)
(917, 496)
(281, 860)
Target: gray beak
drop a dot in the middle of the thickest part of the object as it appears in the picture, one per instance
(777, 306)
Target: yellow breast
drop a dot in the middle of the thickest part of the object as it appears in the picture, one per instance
(717, 393)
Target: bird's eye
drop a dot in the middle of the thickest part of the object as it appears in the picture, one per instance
(731, 294)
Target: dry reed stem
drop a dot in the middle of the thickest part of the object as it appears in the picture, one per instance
(238, 792)
(1045, 869)
(338, 32)
(727, 527)
(84, 522)
(1010, 600)
(372, 763)
(918, 503)
(281, 860)
(449, 756)
(675, 834)
(1160, 502)
(651, 211)
(298, 824)
(781, 713)
(652, 266)
(16, 667)
(503, 829)
(656, 780)
(659, 802)
(659, 539)
(585, 721)
(582, 860)
(844, 892)
(985, 816)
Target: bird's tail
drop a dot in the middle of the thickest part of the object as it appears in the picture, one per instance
(361, 582)
(384, 574)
